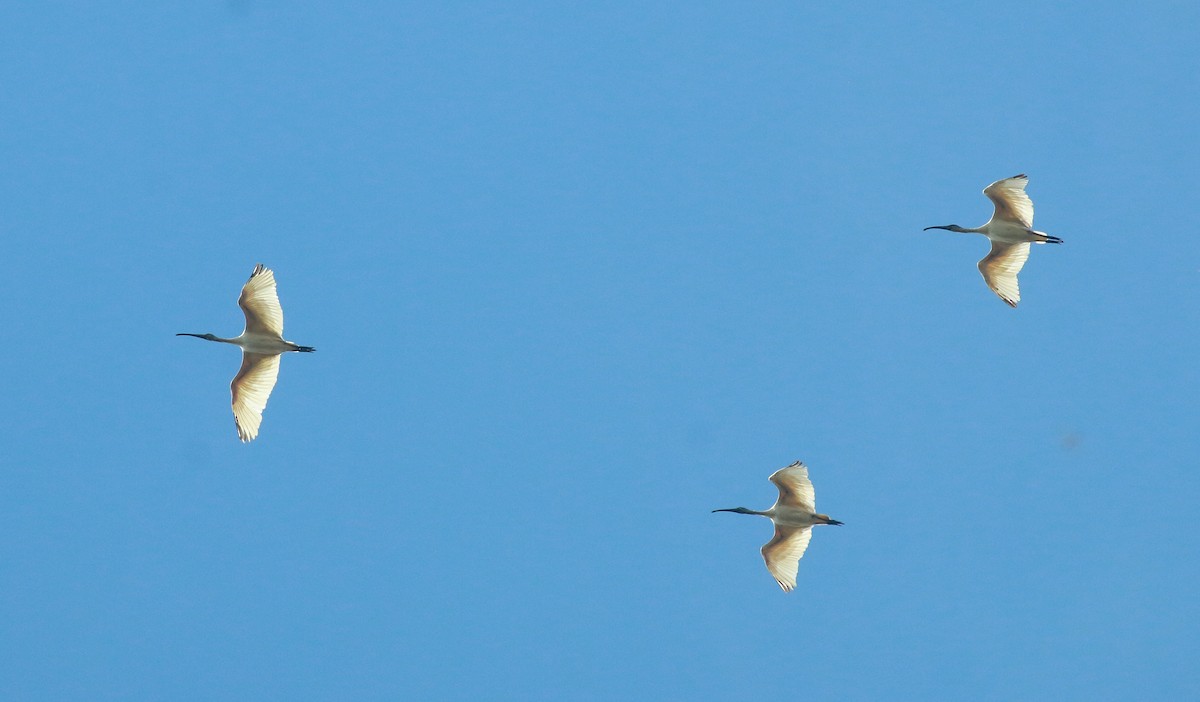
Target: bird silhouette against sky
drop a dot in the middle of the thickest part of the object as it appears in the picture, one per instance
(794, 515)
(262, 343)
(1011, 232)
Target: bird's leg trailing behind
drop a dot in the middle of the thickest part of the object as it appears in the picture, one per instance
(824, 519)
(1044, 238)
(305, 349)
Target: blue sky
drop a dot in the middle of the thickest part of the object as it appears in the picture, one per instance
(579, 274)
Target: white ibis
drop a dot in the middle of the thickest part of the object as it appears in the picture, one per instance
(262, 342)
(1011, 232)
(794, 515)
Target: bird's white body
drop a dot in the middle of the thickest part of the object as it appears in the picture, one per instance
(1011, 232)
(794, 514)
(1007, 232)
(261, 342)
(791, 516)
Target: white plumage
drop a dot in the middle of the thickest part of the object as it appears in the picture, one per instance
(1011, 232)
(261, 342)
(794, 514)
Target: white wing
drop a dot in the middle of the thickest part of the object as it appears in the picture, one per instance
(1011, 201)
(250, 389)
(795, 489)
(782, 554)
(1000, 268)
(260, 302)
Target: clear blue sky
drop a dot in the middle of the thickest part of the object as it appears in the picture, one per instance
(579, 273)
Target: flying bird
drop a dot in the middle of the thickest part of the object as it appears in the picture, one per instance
(794, 515)
(262, 342)
(1011, 232)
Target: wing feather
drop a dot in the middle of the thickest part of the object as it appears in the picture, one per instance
(250, 389)
(1000, 268)
(260, 303)
(1011, 202)
(782, 554)
(795, 489)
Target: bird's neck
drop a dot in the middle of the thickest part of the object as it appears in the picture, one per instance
(211, 337)
(743, 510)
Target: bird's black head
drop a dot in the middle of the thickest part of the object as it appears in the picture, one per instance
(210, 337)
(947, 227)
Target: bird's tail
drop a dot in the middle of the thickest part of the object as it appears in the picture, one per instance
(305, 349)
